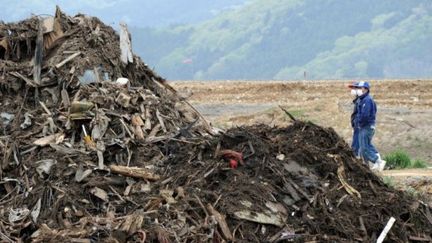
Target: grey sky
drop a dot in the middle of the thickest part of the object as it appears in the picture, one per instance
(133, 12)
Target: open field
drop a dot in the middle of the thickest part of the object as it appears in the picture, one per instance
(404, 107)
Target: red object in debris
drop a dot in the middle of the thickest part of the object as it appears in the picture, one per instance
(233, 157)
(233, 163)
(142, 235)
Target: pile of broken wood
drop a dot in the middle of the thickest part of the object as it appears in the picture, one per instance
(96, 147)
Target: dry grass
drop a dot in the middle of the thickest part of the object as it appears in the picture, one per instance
(404, 107)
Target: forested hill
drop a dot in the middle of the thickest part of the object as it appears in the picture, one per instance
(282, 39)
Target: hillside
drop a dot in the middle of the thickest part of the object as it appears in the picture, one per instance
(276, 39)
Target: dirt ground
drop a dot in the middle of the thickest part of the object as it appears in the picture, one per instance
(404, 107)
(408, 173)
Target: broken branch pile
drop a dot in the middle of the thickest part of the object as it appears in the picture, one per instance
(86, 157)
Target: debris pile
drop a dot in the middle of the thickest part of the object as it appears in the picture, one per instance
(95, 147)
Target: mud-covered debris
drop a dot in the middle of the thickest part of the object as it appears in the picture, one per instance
(96, 147)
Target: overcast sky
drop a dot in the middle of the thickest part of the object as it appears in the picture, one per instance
(13, 10)
(134, 12)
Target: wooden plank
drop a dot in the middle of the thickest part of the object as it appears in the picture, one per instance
(309, 198)
(125, 45)
(221, 222)
(135, 172)
(161, 121)
(37, 60)
(65, 98)
(48, 24)
(28, 81)
(293, 193)
(416, 238)
(68, 59)
(386, 230)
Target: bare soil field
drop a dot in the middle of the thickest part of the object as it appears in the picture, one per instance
(404, 107)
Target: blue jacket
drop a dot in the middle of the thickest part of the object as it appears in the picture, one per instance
(354, 114)
(366, 111)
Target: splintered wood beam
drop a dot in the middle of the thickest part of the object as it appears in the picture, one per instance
(221, 221)
(68, 59)
(135, 172)
(37, 61)
(125, 45)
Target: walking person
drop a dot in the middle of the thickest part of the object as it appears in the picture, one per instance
(365, 121)
(355, 141)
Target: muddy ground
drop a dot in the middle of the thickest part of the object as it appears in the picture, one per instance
(404, 107)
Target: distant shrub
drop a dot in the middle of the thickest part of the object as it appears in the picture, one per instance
(400, 159)
(419, 164)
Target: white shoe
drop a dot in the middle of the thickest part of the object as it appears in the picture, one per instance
(379, 156)
(374, 166)
(381, 164)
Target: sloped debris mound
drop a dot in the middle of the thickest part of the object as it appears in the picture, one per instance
(77, 107)
(65, 50)
(298, 183)
(85, 158)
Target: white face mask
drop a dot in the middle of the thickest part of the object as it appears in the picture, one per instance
(353, 92)
(359, 92)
